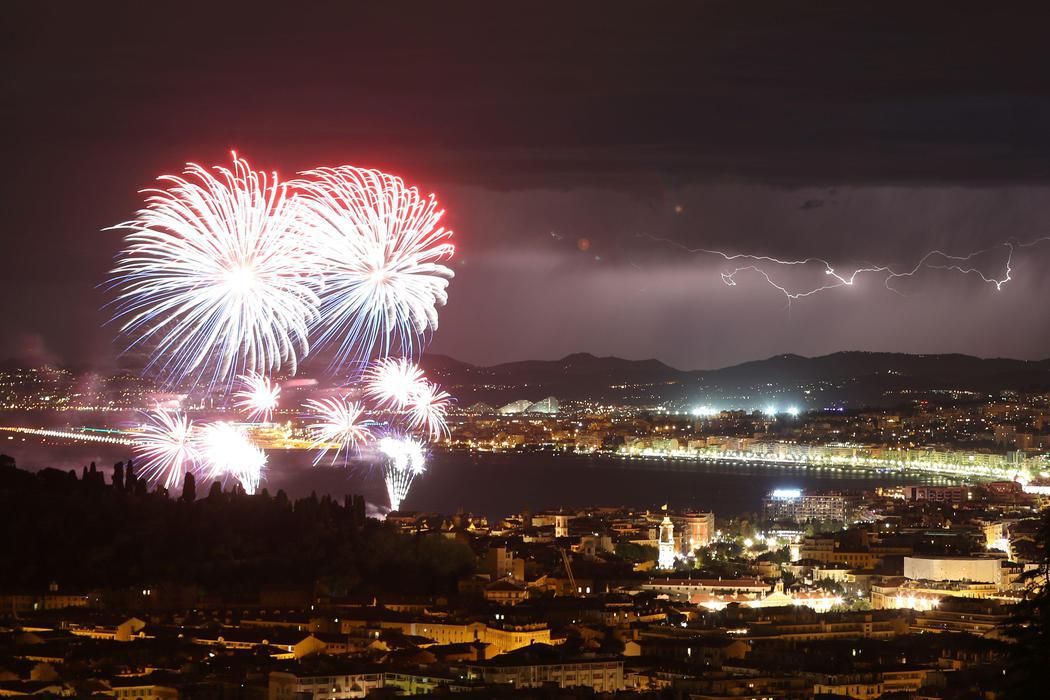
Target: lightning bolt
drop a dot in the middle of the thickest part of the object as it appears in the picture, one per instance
(932, 260)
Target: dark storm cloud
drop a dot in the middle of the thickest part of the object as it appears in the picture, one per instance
(508, 94)
(719, 124)
(531, 295)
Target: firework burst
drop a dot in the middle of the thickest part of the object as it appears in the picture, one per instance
(165, 446)
(381, 246)
(226, 451)
(337, 423)
(427, 406)
(258, 396)
(393, 382)
(216, 278)
(405, 461)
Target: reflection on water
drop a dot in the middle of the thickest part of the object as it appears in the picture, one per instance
(499, 484)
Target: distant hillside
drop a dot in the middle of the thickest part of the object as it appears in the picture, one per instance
(842, 378)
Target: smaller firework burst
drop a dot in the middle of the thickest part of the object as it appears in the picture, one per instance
(393, 382)
(258, 396)
(165, 445)
(337, 424)
(226, 451)
(405, 461)
(427, 407)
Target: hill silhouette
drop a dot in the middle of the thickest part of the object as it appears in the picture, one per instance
(851, 378)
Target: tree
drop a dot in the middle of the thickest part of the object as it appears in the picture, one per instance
(130, 478)
(189, 488)
(215, 492)
(1029, 626)
(830, 585)
(634, 552)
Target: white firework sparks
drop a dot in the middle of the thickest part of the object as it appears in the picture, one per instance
(393, 382)
(382, 247)
(427, 407)
(226, 451)
(216, 278)
(166, 448)
(258, 396)
(338, 423)
(405, 461)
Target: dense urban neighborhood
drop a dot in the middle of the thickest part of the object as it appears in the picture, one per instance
(128, 593)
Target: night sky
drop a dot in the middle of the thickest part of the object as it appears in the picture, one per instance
(561, 138)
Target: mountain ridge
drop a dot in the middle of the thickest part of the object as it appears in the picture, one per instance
(847, 378)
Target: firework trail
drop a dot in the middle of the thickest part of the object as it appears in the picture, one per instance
(392, 383)
(164, 444)
(381, 246)
(226, 451)
(258, 396)
(427, 407)
(405, 461)
(932, 260)
(337, 422)
(217, 277)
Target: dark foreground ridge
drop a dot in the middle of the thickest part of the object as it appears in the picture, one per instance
(83, 532)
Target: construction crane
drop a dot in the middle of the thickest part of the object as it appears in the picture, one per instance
(568, 569)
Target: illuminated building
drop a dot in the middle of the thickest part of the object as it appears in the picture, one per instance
(902, 593)
(500, 563)
(697, 531)
(499, 638)
(941, 568)
(127, 688)
(938, 494)
(827, 550)
(548, 405)
(601, 674)
(561, 525)
(799, 506)
(687, 588)
(873, 685)
(287, 686)
(514, 407)
(666, 560)
(505, 592)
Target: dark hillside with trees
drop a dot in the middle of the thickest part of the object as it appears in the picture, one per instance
(79, 531)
